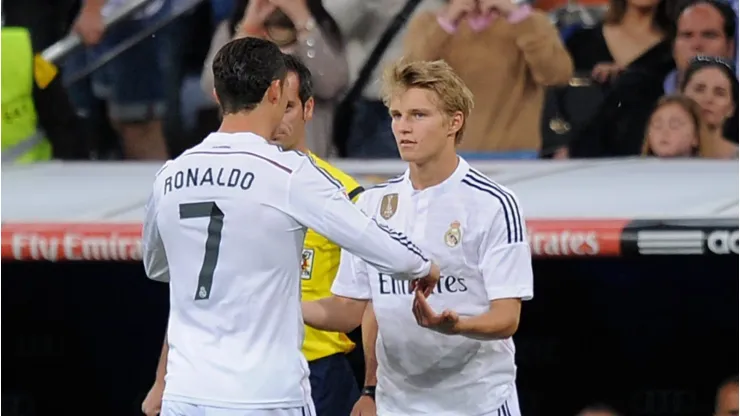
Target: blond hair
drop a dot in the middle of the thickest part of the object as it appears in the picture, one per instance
(705, 147)
(435, 76)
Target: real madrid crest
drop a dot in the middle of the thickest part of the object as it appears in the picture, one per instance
(453, 236)
(388, 205)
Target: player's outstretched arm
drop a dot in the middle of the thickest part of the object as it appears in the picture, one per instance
(342, 311)
(335, 313)
(319, 202)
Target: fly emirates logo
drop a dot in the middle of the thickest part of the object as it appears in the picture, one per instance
(75, 246)
(446, 284)
(564, 242)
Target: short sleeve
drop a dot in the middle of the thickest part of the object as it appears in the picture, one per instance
(153, 252)
(506, 258)
(352, 280)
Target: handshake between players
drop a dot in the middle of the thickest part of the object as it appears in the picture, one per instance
(225, 226)
(343, 314)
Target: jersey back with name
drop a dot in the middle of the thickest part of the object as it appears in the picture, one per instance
(235, 326)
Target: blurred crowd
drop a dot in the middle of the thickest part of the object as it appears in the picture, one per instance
(551, 79)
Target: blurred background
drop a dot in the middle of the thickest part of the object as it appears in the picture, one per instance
(122, 85)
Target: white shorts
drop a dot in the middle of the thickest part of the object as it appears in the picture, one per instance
(510, 407)
(171, 408)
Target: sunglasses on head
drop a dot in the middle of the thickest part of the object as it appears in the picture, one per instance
(713, 60)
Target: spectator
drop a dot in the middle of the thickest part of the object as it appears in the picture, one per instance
(712, 83)
(634, 33)
(38, 121)
(301, 28)
(676, 129)
(362, 23)
(726, 403)
(132, 85)
(507, 54)
(704, 27)
(630, 54)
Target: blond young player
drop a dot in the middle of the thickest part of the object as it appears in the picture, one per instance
(452, 355)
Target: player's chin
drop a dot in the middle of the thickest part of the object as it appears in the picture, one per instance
(409, 156)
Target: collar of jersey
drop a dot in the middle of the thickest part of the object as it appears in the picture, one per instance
(462, 169)
(235, 137)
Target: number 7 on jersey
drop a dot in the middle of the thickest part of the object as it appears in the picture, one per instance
(210, 210)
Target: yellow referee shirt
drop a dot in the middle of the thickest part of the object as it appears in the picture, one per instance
(318, 269)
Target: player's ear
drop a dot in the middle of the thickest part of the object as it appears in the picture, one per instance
(274, 91)
(215, 97)
(308, 109)
(456, 123)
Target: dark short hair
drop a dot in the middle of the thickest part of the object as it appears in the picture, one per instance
(305, 82)
(700, 62)
(243, 70)
(723, 7)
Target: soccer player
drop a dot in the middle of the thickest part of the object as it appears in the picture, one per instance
(453, 354)
(333, 386)
(225, 225)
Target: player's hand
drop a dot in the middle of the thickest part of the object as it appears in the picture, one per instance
(427, 284)
(445, 323)
(152, 404)
(364, 407)
(457, 9)
(89, 25)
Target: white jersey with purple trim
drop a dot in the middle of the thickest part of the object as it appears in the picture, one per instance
(474, 228)
(225, 226)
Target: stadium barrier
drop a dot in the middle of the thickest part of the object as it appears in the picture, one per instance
(639, 311)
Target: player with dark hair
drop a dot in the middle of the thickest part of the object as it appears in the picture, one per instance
(225, 225)
(240, 83)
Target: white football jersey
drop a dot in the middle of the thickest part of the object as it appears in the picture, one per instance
(474, 228)
(225, 226)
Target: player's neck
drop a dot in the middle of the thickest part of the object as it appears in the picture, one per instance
(301, 146)
(246, 122)
(433, 171)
